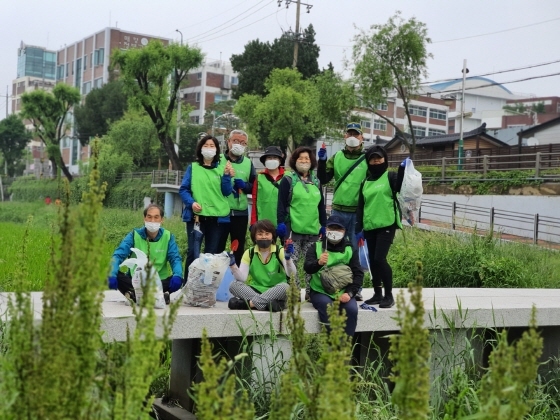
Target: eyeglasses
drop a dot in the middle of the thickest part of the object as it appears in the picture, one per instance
(241, 142)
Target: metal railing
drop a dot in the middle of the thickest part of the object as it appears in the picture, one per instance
(456, 216)
(168, 177)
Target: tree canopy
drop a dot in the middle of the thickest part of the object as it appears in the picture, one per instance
(47, 111)
(146, 73)
(13, 139)
(101, 106)
(258, 59)
(391, 57)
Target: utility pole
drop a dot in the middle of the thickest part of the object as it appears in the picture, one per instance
(178, 136)
(297, 34)
(461, 151)
(6, 101)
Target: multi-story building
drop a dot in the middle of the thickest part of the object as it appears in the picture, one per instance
(211, 83)
(532, 111)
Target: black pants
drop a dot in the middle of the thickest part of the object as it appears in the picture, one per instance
(321, 303)
(124, 284)
(379, 241)
(237, 229)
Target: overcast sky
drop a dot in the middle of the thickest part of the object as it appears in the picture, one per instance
(493, 35)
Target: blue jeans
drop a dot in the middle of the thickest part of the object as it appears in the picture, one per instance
(212, 231)
(321, 302)
(349, 220)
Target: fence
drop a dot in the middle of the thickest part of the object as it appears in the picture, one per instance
(506, 222)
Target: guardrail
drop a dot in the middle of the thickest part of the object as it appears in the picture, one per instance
(533, 226)
(168, 177)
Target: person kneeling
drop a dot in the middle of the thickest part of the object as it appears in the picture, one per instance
(261, 278)
(335, 274)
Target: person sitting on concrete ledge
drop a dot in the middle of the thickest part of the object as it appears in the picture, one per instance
(163, 252)
(261, 280)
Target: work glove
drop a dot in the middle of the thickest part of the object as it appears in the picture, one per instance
(112, 282)
(231, 259)
(322, 153)
(175, 283)
(289, 251)
(238, 184)
(322, 232)
(281, 230)
(403, 163)
(360, 237)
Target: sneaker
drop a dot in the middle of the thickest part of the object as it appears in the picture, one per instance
(277, 305)
(387, 302)
(375, 300)
(236, 303)
(358, 296)
(167, 298)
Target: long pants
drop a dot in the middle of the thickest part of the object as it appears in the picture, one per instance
(300, 251)
(124, 284)
(236, 230)
(260, 300)
(212, 231)
(349, 221)
(321, 302)
(379, 241)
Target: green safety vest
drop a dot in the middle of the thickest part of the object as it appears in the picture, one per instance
(335, 258)
(304, 203)
(347, 193)
(242, 171)
(380, 207)
(267, 198)
(206, 185)
(157, 254)
(265, 276)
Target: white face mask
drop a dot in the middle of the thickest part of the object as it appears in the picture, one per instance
(352, 142)
(303, 167)
(208, 152)
(334, 236)
(237, 149)
(272, 164)
(152, 226)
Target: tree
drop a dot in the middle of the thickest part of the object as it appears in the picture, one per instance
(146, 73)
(47, 112)
(13, 139)
(391, 57)
(260, 58)
(101, 106)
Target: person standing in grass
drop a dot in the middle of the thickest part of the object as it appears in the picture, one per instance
(301, 211)
(377, 219)
(261, 278)
(335, 250)
(163, 253)
(204, 191)
(265, 189)
(243, 174)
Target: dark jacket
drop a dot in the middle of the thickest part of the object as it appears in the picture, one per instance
(312, 266)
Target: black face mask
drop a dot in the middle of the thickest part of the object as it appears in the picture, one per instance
(264, 243)
(377, 170)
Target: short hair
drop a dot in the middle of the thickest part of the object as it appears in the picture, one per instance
(265, 225)
(236, 131)
(151, 206)
(298, 152)
(198, 150)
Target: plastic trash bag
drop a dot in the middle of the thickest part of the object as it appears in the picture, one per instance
(410, 196)
(140, 277)
(223, 294)
(204, 279)
(363, 254)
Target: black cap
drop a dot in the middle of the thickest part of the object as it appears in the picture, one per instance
(272, 151)
(335, 220)
(375, 150)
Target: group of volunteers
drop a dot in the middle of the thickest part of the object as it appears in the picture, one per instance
(288, 223)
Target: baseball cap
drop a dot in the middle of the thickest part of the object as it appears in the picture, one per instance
(374, 150)
(354, 126)
(335, 220)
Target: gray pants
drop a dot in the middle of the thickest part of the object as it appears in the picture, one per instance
(260, 300)
(300, 251)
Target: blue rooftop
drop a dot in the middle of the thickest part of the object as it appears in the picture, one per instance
(445, 85)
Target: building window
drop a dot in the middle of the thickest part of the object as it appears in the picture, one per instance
(99, 56)
(85, 62)
(199, 76)
(86, 88)
(195, 120)
(382, 107)
(67, 64)
(197, 96)
(219, 98)
(380, 125)
(98, 83)
(72, 66)
(365, 124)
(438, 114)
(434, 132)
(419, 131)
(234, 80)
(421, 111)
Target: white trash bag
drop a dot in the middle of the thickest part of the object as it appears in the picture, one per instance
(410, 196)
(204, 279)
(140, 277)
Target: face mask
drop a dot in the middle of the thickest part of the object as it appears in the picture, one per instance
(303, 167)
(334, 236)
(208, 153)
(152, 226)
(352, 142)
(378, 170)
(264, 243)
(272, 164)
(237, 149)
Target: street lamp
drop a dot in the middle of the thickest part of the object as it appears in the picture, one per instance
(178, 96)
(177, 30)
(227, 115)
(461, 152)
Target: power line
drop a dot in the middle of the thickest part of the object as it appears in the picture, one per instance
(214, 16)
(497, 32)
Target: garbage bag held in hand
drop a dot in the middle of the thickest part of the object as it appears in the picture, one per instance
(410, 196)
(140, 277)
(363, 254)
(204, 279)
